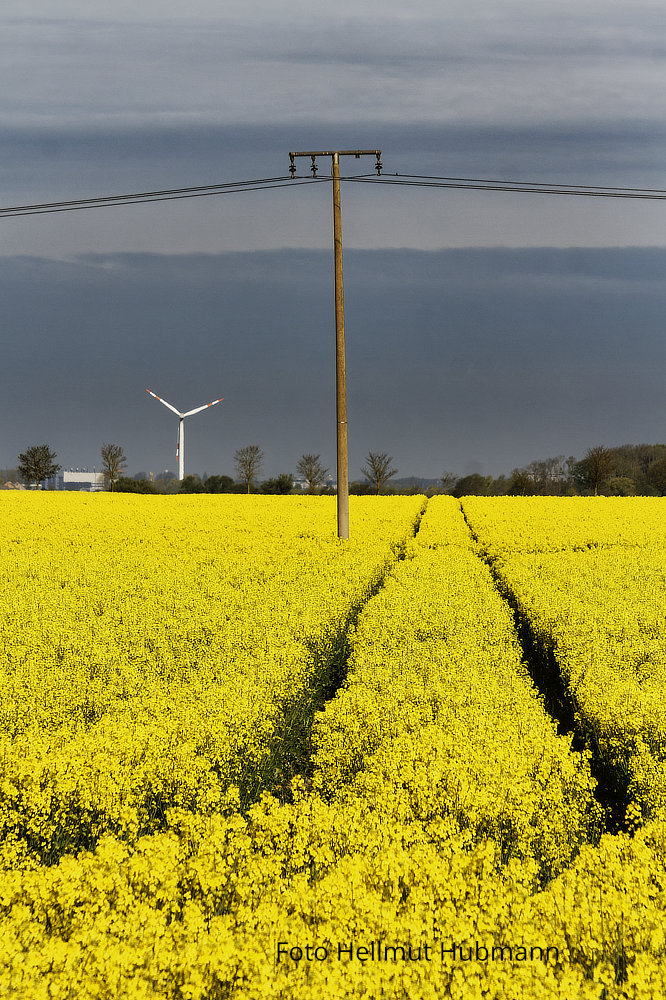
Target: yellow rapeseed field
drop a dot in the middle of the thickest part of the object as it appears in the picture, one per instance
(242, 759)
(156, 650)
(590, 577)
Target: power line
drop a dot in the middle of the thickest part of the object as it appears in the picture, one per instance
(517, 187)
(145, 194)
(141, 197)
(547, 184)
(271, 183)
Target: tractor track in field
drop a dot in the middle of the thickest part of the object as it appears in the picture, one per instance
(541, 664)
(612, 788)
(298, 764)
(342, 653)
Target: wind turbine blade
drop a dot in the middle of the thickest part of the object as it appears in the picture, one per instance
(154, 394)
(204, 407)
(178, 441)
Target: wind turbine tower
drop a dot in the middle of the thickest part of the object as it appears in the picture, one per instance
(180, 443)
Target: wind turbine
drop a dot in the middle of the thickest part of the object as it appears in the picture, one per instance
(180, 443)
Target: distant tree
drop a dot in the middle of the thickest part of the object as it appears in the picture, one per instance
(621, 486)
(282, 484)
(113, 463)
(595, 469)
(472, 485)
(499, 487)
(570, 485)
(378, 469)
(248, 462)
(312, 470)
(128, 484)
(218, 484)
(657, 476)
(359, 489)
(635, 462)
(448, 481)
(548, 475)
(36, 464)
(191, 484)
(520, 484)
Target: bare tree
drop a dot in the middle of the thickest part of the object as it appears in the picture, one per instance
(448, 481)
(36, 464)
(378, 470)
(312, 471)
(248, 462)
(113, 463)
(596, 468)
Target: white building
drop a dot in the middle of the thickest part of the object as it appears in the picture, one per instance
(76, 479)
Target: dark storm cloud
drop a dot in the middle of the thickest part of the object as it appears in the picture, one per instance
(98, 99)
(54, 164)
(631, 149)
(456, 356)
(495, 357)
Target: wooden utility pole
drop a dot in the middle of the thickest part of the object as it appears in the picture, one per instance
(340, 372)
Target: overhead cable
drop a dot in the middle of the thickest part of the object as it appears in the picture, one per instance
(141, 197)
(518, 187)
(270, 183)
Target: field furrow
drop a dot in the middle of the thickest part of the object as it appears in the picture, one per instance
(155, 654)
(245, 761)
(589, 577)
(440, 716)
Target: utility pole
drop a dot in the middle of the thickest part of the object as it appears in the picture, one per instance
(340, 373)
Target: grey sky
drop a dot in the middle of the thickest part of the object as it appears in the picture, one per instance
(101, 99)
(458, 356)
(248, 62)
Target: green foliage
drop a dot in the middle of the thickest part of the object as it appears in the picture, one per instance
(594, 471)
(656, 475)
(219, 484)
(628, 470)
(359, 489)
(191, 484)
(472, 485)
(128, 485)
(37, 464)
(520, 484)
(282, 484)
(620, 486)
(635, 461)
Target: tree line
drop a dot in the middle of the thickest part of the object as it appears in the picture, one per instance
(37, 464)
(629, 470)
(248, 462)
